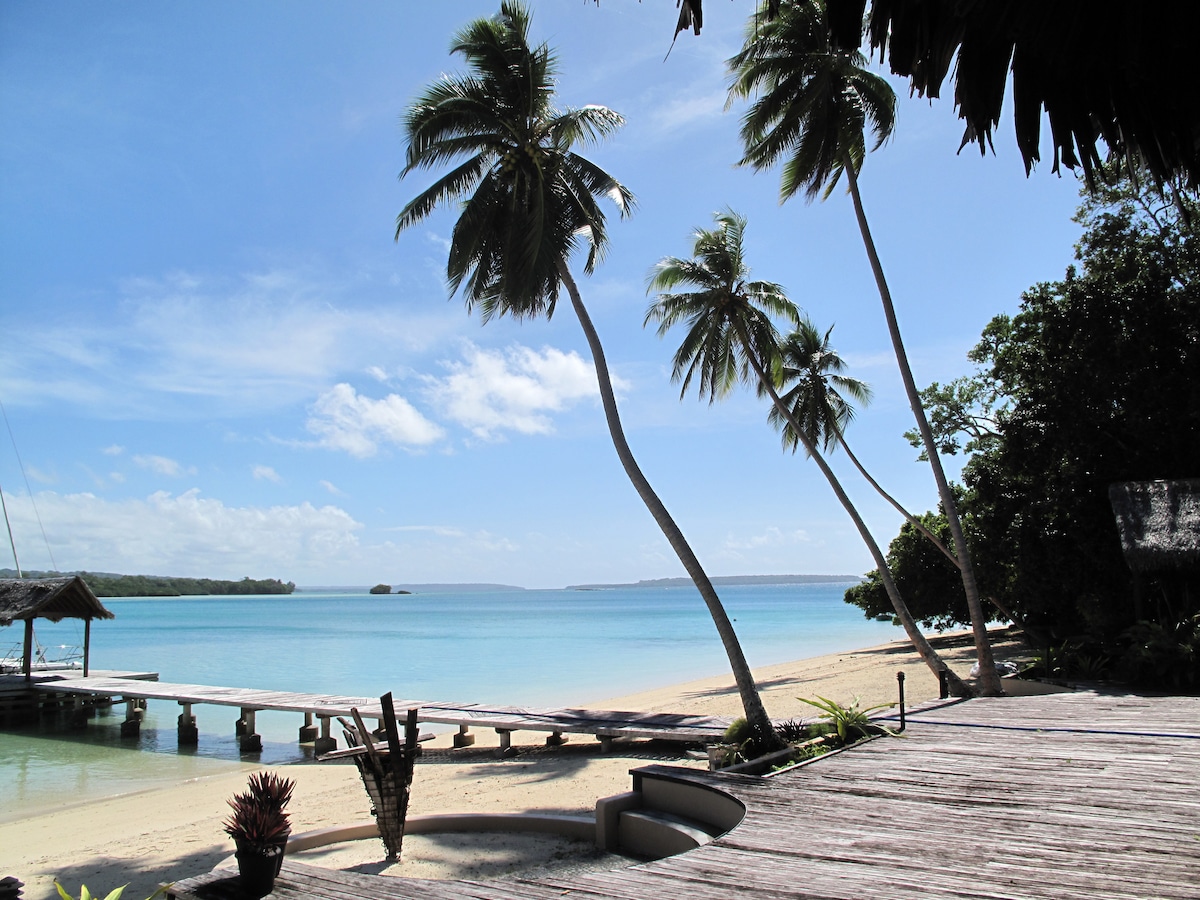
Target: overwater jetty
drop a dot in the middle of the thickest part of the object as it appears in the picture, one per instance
(84, 694)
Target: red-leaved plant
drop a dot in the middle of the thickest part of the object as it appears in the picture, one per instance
(259, 820)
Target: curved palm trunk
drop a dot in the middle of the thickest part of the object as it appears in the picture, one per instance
(989, 681)
(1036, 638)
(919, 641)
(912, 520)
(756, 713)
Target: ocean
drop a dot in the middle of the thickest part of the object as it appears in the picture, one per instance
(535, 648)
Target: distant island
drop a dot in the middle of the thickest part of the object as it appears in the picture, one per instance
(464, 588)
(386, 589)
(728, 580)
(107, 584)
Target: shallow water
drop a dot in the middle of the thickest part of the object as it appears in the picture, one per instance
(542, 648)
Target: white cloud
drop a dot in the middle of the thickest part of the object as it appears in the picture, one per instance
(342, 419)
(332, 488)
(682, 112)
(251, 342)
(187, 534)
(266, 473)
(439, 530)
(161, 465)
(113, 450)
(771, 537)
(512, 390)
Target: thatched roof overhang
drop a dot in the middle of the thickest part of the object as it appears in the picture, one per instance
(1100, 70)
(1159, 523)
(50, 598)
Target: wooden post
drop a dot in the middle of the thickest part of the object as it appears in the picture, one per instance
(326, 742)
(308, 731)
(27, 662)
(132, 726)
(464, 738)
(188, 733)
(87, 644)
(248, 741)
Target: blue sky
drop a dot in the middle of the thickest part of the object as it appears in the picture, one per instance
(217, 362)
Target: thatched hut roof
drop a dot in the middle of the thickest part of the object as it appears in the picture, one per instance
(1159, 522)
(49, 598)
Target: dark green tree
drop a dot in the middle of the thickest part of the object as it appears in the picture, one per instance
(1098, 379)
(814, 101)
(528, 202)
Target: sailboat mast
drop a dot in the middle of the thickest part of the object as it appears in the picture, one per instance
(11, 542)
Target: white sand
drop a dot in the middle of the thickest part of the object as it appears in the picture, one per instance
(166, 834)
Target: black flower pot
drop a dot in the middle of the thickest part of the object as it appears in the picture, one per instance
(257, 868)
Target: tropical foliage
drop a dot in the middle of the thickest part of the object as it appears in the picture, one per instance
(528, 202)
(853, 722)
(1062, 58)
(259, 818)
(730, 339)
(1096, 380)
(813, 103)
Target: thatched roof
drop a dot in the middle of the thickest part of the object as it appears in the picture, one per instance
(48, 598)
(1159, 522)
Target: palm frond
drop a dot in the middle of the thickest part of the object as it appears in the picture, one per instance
(813, 100)
(527, 199)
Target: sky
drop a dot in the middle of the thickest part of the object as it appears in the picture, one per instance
(218, 362)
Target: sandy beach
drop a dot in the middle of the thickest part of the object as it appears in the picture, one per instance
(151, 837)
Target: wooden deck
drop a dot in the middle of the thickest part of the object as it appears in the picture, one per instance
(1076, 796)
(604, 724)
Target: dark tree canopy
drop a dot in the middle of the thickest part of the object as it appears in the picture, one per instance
(1103, 70)
(1098, 378)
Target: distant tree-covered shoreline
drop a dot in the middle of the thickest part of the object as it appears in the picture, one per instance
(109, 585)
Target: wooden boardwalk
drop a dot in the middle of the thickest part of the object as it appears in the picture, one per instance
(1075, 796)
(604, 724)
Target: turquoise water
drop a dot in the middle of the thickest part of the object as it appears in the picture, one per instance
(517, 647)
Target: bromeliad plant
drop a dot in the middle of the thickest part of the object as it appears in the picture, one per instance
(851, 722)
(259, 821)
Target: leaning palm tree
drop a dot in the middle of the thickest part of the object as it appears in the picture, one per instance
(816, 392)
(814, 103)
(731, 339)
(528, 201)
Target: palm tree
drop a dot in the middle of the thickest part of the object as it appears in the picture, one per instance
(731, 339)
(814, 103)
(813, 369)
(528, 201)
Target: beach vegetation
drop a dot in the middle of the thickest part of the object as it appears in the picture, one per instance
(1092, 383)
(527, 203)
(170, 586)
(814, 101)
(851, 723)
(730, 338)
(114, 894)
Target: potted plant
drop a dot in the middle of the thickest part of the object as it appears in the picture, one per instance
(259, 827)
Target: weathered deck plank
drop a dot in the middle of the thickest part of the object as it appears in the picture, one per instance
(975, 802)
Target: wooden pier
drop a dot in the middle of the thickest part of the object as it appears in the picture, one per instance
(21, 699)
(605, 725)
(1072, 796)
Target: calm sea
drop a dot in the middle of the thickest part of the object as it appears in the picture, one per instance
(544, 648)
